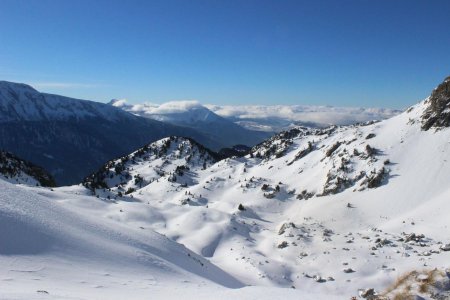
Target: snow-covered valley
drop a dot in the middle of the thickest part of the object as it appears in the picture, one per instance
(308, 214)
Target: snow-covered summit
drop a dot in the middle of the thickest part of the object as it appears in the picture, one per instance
(21, 102)
(178, 112)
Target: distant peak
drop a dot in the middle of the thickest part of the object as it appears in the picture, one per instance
(178, 106)
(118, 102)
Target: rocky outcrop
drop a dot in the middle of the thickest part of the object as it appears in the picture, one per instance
(437, 114)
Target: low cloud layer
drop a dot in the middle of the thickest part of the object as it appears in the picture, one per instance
(172, 107)
(261, 117)
(298, 113)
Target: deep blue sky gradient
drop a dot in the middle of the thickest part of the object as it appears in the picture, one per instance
(387, 53)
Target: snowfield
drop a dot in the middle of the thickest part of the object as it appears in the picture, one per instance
(56, 245)
(309, 214)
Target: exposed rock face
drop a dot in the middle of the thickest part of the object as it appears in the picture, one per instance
(437, 115)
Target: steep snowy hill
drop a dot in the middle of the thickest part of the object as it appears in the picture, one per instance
(16, 170)
(193, 115)
(324, 210)
(175, 159)
(72, 138)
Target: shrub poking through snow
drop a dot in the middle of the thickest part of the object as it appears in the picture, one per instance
(282, 245)
(432, 284)
(333, 148)
(285, 226)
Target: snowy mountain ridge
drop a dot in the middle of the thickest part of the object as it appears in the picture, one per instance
(21, 102)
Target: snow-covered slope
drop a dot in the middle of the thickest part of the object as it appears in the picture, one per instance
(55, 244)
(192, 114)
(18, 171)
(325, 210)
(40, 238)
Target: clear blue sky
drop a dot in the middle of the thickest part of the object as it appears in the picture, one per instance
(348, 53)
